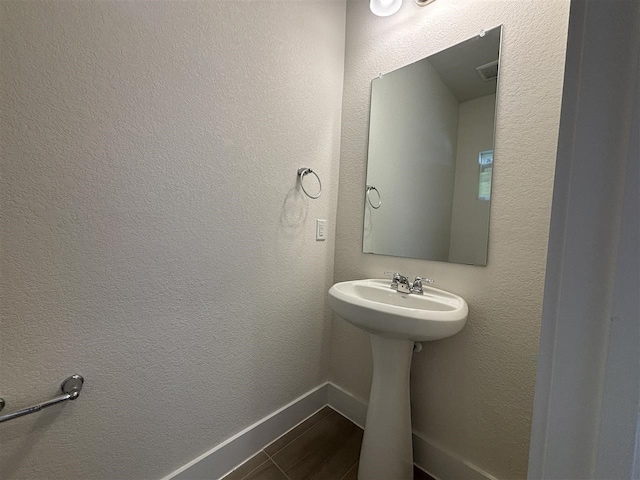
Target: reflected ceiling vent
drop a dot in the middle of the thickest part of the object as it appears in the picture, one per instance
(488, 71)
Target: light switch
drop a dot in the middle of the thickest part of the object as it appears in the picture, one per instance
(321, 229)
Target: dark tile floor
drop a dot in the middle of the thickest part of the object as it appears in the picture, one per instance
(326, 446)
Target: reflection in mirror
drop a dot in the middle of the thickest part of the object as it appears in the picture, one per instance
(430, 156)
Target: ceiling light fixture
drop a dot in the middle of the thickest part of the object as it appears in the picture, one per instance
(423, 3)
(384, 8)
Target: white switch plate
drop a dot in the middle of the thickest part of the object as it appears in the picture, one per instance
(321, 229)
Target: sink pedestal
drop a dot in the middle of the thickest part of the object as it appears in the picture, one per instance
(394, 321)
(387, 447)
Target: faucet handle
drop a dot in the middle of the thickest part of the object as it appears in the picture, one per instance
(396, 278)
(417, 284)
(423, 279)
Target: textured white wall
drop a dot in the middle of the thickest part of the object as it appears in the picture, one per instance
(152, 239)
(424, 134)
(472, 393)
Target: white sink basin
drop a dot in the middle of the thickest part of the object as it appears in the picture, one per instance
(395, 321)
(374, 307)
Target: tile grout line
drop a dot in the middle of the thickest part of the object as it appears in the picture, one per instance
(352, 467)
(296, 438)
(300, 460)
(277, 466)
(304, 433)
(270, 458)
(284, 446)
(247, 475)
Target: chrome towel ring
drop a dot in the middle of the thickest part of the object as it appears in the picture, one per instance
(369, 188)
(301, 174)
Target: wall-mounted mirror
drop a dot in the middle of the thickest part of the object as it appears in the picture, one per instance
(430, 162)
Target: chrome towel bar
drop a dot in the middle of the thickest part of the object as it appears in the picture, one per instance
(70, 388)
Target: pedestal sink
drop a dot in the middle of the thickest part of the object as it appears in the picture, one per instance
(395, 321)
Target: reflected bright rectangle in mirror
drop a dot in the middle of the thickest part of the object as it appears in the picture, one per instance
(430, 156)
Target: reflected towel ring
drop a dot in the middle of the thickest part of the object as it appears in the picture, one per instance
(369, 188)
(301, 173)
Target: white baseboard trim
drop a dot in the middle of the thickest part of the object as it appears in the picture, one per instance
(234, 451)
(427, 456)
(444, 465)
(225, 457)
(346, 404)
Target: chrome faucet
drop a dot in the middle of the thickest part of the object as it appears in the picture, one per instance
(401, 283)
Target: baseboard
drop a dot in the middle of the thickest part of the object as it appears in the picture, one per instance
(444, 465)
(226, 456)
(346, 404)
(222, 459)
(433, 459)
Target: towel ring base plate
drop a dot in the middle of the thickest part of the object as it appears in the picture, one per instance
(72, 386)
